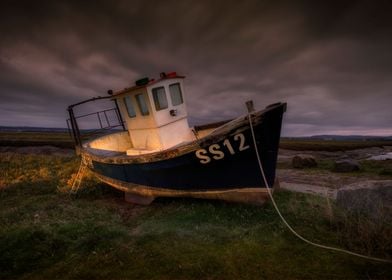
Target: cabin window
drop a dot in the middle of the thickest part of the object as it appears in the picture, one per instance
(159, 96)
(130, 109)
(175, 94)
(141, 102)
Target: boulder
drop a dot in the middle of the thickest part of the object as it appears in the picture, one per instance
(346, 165)
(303, 162)
(370, 197)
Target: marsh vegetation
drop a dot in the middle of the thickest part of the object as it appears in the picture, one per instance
(48, 233)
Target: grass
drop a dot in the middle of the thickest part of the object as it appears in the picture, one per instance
(18, 139)
(379, 168)
(47, 233)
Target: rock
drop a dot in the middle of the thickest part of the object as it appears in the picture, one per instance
(303, 162)
(346, 165)
(370, 197)
(386, 156)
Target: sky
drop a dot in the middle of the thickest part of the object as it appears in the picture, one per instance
(331, 61)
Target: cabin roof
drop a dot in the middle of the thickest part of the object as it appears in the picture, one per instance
(167, 76)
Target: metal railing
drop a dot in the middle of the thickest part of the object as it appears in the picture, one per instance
(106, 124)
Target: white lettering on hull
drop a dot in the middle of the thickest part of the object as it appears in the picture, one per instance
(215, 151)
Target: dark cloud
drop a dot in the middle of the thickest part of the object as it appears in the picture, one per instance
(329, 60)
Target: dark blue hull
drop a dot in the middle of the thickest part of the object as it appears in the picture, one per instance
(226, 159)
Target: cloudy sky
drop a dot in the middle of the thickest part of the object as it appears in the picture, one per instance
(330, 60)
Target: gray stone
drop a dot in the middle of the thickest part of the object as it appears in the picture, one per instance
(346, 165)
(370, 197)
(303, 162)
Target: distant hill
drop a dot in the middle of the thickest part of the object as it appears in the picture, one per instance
(351, 138)
(325, 137)
(343, 138)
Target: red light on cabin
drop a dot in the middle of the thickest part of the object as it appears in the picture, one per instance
(171, 74)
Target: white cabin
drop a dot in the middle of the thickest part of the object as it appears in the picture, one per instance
(155, 113)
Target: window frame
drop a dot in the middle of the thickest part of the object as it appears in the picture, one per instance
(129, 104)
(179, 91)
(139, 102)
(155, 97)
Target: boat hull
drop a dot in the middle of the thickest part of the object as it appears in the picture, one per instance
(144, 195)
(222, 165)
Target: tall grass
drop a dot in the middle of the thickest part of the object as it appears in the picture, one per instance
(46, 233)
(19, 139)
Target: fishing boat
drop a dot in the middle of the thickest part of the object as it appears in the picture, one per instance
(151, 151)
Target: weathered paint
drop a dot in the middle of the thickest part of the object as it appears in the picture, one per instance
(188, 171)
(232, 163)
(144, 195)
(119, 142)
(159, 130)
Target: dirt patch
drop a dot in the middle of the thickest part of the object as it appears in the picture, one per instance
(319, 182)
(131, 211)
(320, 178)
(127, 211)
(324, 182)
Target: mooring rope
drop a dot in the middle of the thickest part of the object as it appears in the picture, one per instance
(284, 220)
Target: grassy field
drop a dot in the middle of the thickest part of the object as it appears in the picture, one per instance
(370, 168)
(47, 233)
(18, 139)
